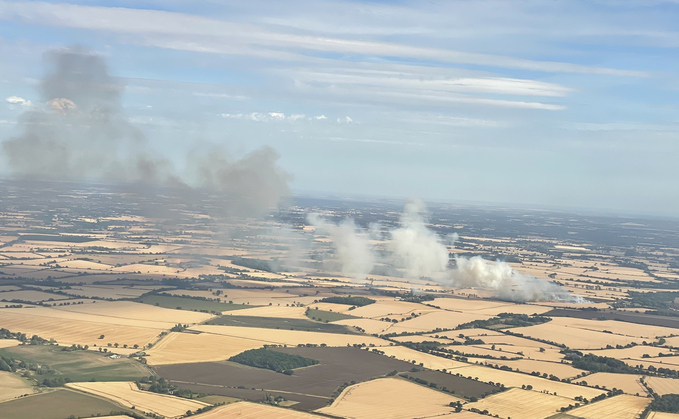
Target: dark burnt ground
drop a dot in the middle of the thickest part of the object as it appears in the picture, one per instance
(459, 386)
(337, 366)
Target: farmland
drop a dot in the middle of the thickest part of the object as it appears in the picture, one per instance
(618, 407)
(389, 398)
(387, 345)
(127, 394)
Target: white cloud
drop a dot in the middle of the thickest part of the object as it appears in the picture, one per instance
(16, 100)
(276, 117)
(320, 117)
(195, 33)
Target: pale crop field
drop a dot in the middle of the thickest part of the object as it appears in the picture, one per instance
(512, 379)
(427, 360)
(663, 385)
(619, 328)
(290, 337)
(73, 331)
(108, 291)
(369, 325)
(178, 348)
(430, 321)
(633, 352)
(127, 310)
(530, 365)
(128, 395)
(13, 386)
(523, 404)
(622, 406)
(7, 343)
(391, 398)
(247, 410)
(490, 308)
(629, 383)
(663, 415)
(30, 295)
(390, 308)
(574, 337)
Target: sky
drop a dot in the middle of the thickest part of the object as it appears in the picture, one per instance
(547, 104)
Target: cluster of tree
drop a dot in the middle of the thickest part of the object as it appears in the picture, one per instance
(54, 381)
(666, 403)
(23, 338)
(409, 296)
(179, 327)
(75, 347)
(162, 386)
(657, 300)
(272, 360)
(596, 363)
(258, 264)
(507, 319)
(348, 300)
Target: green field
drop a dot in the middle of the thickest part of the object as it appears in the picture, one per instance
(78, 365)
(59, 404)
(193, 304)
(329, 316)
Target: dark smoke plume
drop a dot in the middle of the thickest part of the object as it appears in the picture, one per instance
(79, 132)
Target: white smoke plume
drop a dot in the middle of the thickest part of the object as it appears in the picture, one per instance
(419, 252)
(416, 249)
(510, 284)
(353, 250)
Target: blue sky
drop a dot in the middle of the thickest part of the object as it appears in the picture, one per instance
(533, 103)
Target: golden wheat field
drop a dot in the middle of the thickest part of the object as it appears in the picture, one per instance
(663, 385)
(391, 398)
(618, 328)
(128, 395)
(416, 357)
(437, 319)
(74, 331)
(512, 379)
(289, 337)
(13, 386)
(178, 348)
(248, 410)
(663, 415)
(523, 404)
(6, 343)
(629, 383)
(622, 406)
(574, 337)
(486, 307)
(370, 326)
(390, 308)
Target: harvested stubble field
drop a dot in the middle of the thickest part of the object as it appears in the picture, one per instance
(629, 383)
(336, 367)
(437, 319)
(278, 323)
(58, 404)
(389, 308)
(369, 325)
(420, 358)
(623, 316)
(247, 410)
(663, 385)
(391, 398)
(616, 327)
(574, 337)
(486, 307)
(513, 379)
(13, 386)
(663, 415)
(79, 365)
(518, 403)
(128, 395)
(622, 406)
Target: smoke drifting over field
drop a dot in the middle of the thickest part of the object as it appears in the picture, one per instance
(419, 252)
(80, 132)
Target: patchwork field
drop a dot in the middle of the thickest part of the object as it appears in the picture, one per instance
(518, 403)
(663, 385)
(629, 383)
(622, 406)
(336, 367)
(389, 398)
(128, 395)
(247, 410)
(13, 386)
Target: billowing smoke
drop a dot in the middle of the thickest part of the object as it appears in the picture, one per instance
(419, 252)
(507, 282)
(353, 250)
(415, 248)
(80, 132)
